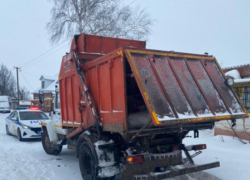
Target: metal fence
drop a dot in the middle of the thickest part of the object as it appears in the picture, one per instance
(244, 96)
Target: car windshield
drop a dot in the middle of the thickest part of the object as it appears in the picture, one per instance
(32, 116)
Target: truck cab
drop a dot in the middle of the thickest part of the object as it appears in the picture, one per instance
(4, 104)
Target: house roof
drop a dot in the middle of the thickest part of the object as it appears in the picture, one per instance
(51, 87)
(49, 77)
(24, 103)
(236, 65)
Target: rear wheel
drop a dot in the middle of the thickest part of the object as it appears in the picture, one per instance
(88, 162)
(47, 145)
(19, 135)
(7, 130)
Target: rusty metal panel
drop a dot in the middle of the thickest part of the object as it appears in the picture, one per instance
(212, 97)
(171, 85)
(218, 80)
(151, 86)
(195, 97)
(183, 88)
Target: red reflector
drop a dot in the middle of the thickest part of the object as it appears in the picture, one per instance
(175, 148)
(135, 159)
(200, 147)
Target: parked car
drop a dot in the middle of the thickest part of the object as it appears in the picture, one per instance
(4, 104)
(25, 123)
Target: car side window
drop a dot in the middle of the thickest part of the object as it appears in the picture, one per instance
(15, 117)
(12, 114)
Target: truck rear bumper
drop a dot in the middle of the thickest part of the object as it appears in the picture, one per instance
(177, 172)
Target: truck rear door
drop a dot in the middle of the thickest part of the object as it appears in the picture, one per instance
(183, 88)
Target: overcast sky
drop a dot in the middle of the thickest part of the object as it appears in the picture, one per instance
(219, 27)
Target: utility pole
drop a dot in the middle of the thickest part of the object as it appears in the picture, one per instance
(17, 80)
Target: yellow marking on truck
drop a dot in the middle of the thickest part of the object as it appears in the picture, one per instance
(58, 126)
(155, 118)
(192, 120)
(172, 54)
(43, 124)
(71, 125)
(120, 53)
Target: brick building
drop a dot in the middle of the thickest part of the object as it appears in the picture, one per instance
(241, 75)
(48, 88)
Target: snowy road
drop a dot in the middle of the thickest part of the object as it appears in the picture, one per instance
(28, 161)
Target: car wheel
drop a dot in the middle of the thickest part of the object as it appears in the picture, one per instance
(7, 130)
(19, 135)
(88, 162)
(47, 145)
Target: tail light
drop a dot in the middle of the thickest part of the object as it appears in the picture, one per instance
(135, 159)
(175, 148)
(200, 147)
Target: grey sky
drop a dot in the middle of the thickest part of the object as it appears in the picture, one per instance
(219, 27)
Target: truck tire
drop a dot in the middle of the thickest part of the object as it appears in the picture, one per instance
(7, 130)
(19, 135)
(88, 162)
(47, 145)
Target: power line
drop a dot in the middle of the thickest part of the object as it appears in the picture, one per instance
(42, 54)
(26, 80)
(34, 76)
(43, 58)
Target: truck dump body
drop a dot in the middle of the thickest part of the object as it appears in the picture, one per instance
(168, 88)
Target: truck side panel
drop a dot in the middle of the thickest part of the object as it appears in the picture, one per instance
(106, 83)
(98, 44)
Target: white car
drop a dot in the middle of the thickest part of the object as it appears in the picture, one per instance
(25, 123)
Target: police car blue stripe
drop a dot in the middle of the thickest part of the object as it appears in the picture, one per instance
(16, 122)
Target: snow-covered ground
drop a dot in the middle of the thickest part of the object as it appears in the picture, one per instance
(234, 156)
(27, 160)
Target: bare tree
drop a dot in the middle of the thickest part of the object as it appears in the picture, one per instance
(97, 17)
(7, 82)
(24, 93)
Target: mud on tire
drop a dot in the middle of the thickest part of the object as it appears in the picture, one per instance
(47, 146)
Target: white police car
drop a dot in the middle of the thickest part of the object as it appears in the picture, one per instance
(25, 123)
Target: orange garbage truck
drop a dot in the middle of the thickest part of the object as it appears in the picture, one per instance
(126, 109)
